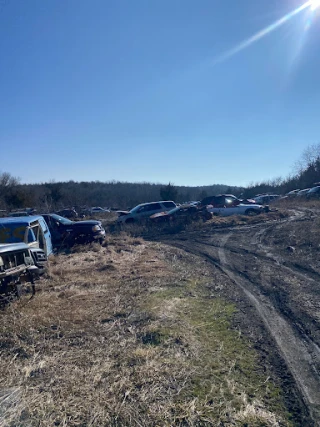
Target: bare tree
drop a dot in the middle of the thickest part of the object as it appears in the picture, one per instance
(7, 183)
(308, 158)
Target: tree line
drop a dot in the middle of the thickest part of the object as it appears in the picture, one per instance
(50, 196)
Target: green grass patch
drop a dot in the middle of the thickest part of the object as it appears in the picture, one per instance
(224, 384)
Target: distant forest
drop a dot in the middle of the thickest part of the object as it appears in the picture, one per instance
(52, 196)
(118, 195)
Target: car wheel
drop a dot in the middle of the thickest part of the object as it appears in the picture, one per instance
(251, 212)
(17, 290)
(207, 216)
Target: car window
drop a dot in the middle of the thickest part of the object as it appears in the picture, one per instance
(150, 207)
(136, 209)
(31, 236)
(140, 209)
(154, 207)
(229, 201)
(169, 204)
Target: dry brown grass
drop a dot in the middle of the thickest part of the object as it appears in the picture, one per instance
(149, 230)
(129, 334)
(235, 220)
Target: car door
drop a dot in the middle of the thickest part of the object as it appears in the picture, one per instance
(214, 210)
(55, 229)
(148, 210)
(46, 235)
(155, 208)
(229, 207)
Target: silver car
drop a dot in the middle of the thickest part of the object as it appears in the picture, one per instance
(145, 210)
(231, 207)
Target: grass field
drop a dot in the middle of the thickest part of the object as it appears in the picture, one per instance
(131, 334)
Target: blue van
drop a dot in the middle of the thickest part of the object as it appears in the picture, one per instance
(33, 231)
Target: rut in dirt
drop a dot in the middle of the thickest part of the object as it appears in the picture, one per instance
(272, 287)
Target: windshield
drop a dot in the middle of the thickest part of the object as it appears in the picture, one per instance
(135, 209)
(61, 219)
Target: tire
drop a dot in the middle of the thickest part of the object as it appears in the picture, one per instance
(251, 212)
(17, 290)
(207, 216)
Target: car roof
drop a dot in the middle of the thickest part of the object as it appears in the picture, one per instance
(20, 219)
(160, 201)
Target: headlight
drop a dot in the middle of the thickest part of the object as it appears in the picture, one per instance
(1, 262)
(96, 228)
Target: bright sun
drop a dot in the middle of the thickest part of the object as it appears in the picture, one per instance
(314, 4)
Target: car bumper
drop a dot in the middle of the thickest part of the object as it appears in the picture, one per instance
(99, 235)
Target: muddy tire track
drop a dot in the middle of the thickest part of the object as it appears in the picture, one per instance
(278, 290)
(300, 353)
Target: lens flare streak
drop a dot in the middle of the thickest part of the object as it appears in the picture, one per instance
(246, 43)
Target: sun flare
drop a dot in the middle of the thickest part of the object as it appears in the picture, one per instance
(314, 4)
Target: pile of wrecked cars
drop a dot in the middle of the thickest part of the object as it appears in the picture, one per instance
(25, 244)
(168, 211)
(27, 241)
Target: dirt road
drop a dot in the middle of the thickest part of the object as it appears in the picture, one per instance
(274, 271)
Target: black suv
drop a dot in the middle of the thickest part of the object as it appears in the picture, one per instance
(64, 231)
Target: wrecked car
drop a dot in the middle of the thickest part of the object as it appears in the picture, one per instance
(144, 211)
(266, 198)
(313, 193)
(219, 200)
(226, 206)
(31, 230)
(98, 209)
(186, 213)
(65, 231)
(17, 267)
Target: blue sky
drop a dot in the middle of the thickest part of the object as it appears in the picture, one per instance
(134, 90)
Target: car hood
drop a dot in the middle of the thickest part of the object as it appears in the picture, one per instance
(8, 247)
